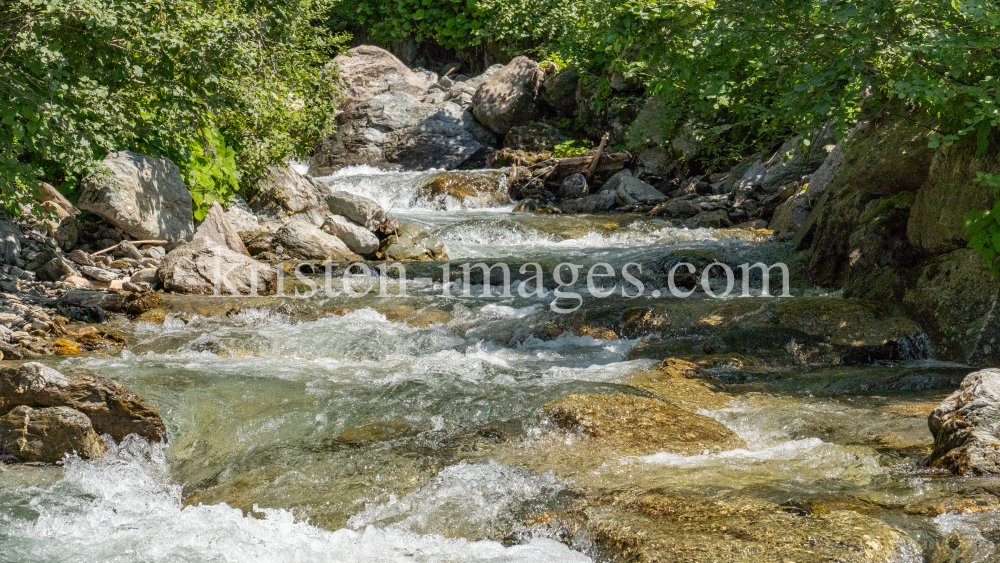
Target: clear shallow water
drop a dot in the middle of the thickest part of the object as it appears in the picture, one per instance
(358, 436)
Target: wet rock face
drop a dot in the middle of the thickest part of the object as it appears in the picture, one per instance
(966, 427)
(46, 435)
(469, 190)
(143, 196)
(634, 425)
(662, 528)
(112, 408)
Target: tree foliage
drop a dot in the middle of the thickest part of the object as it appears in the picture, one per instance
(82, 78)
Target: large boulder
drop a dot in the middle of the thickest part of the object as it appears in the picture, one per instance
(307, 241)
(241, 217)
(560, 91)
(356, 237)
(966, 427)
(112, 408)
(367, 71)
(216, 227)
(937, 219)
(509, 97)
(396, 130)
(46, 435)
(594, 203)
(143, 196)
(206, 267)
(362, 210)
(632, 191)
(955, 299)
(891, 157)
(284, 195)
(412, 242)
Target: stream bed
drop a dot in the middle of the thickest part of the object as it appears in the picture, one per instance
(411, 428)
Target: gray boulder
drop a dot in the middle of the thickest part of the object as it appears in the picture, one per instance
(55, 269)
(575, 186)
(46, 435)
(966, 427)
(285, 195)
(240, 216)
(143, 196)
(204, 267)
(92, 299)
(363, 211)
(307, 241)
(216, 227)
(509, 97)
(790, 215)
(396, 130)
(412, 242)
(560, 91)
(632, 191)
(616, 180)
(367, 71)
(594, 203)
(356, 237)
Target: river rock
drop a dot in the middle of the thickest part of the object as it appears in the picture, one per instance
(469, 190)
(305, 240)
(125, 249)
(559, 91)
(46, 435)
(936, 222)
(10, 241)
(92, 299)
(362, 210)
(396, 130)
(55, 269)
(216, 227)
(49, 194)
(367, 71)
(575, 186)
(202, 266)
(98, 274)
(677, 209)
(143, 196)
(594, 203)
(508, 98)
(146, 275)
(653, 526)
(412, 242)
(81, 258)
(112, 408)
(240, 216)
(966, 427)
(357, 238)
(634, 425)
(632, 191)
(285, 195)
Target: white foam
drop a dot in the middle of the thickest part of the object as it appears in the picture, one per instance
(784, 451)
(123, 508)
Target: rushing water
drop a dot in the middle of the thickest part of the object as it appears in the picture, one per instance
(359, 436)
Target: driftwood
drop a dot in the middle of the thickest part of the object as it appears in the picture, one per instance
(547, 176)
(597, 157)
(135, 242)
